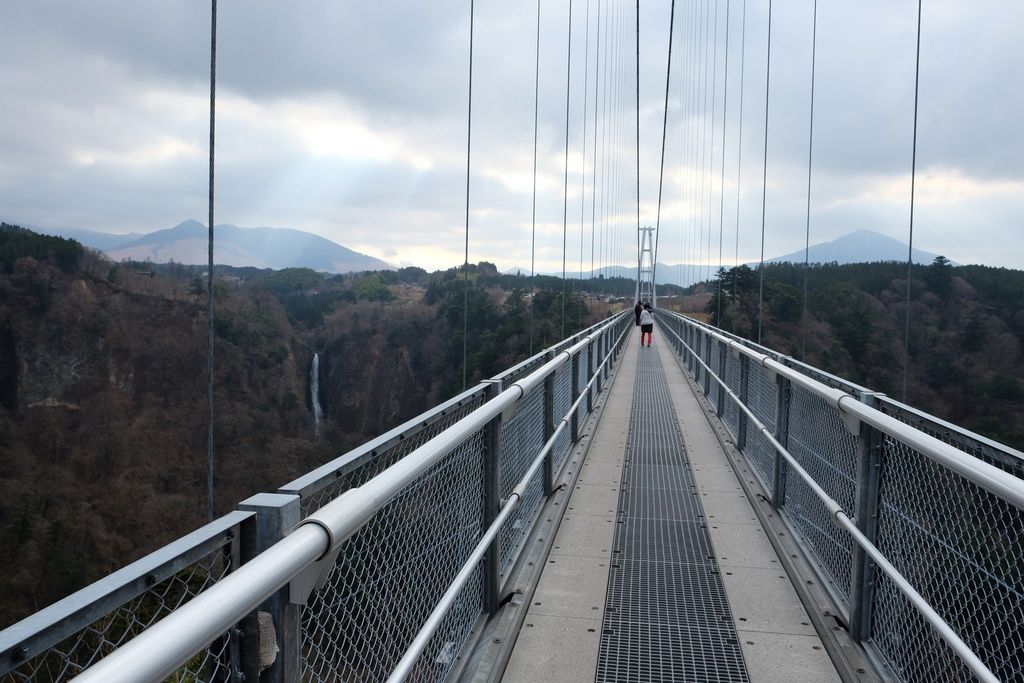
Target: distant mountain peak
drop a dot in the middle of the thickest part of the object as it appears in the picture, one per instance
(259, 247)
(859, 246)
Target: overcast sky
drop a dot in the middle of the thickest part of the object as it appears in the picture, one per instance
(348, 119)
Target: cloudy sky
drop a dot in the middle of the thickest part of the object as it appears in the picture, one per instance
(348, 119)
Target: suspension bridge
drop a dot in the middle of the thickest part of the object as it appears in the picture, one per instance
(703, 509)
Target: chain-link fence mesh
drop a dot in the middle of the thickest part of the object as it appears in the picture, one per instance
(823, 446)
(997, 455)
(522, 437)
(731, 416)
(581, 385)
(73, 654)
(715, 356)
(562, 403)
(393, 571)
(961, 548)
(377, 462)
(762, 399)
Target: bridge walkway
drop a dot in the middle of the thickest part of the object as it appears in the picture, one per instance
(573, 630)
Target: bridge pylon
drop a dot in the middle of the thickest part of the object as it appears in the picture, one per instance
(645, 287)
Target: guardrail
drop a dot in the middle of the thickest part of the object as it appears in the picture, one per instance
(59, 642)
(367, 564)
(916, 526)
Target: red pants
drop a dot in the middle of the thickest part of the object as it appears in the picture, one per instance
(647, 330)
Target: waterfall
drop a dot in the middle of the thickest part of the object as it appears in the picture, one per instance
(314, 392)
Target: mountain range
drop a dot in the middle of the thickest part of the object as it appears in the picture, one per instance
(859, 246)
(235, 246)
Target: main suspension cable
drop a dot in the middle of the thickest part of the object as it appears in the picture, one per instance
(913, 179)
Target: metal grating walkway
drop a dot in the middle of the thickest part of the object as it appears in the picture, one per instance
(667, 617)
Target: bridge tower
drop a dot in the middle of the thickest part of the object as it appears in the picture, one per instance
(645, 287)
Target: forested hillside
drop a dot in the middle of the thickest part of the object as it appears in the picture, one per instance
(966, 332)
(103, 390)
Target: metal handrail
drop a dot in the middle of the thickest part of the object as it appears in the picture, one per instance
(39, 632)
(158, 651)
(433, 622)
(988, 477)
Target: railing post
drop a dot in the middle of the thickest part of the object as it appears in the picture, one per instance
(492, 501)
(276, 515)
(590, 375)
(741, 430)
(549, 429)
(869, 463)
(574, 421)
(784, 393)
(723, 355)
(707, 374)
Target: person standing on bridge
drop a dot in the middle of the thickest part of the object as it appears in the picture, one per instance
(646, 324)
(636, 311)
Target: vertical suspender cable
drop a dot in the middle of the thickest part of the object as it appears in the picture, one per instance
(638, 142)
(721, 184)
(565, 182)
(764, 174)
(209, 273)
(913, 179)
(739, 153)
(810, 156)
(533, 232)
(593, 177)
(704, 142)
(664, 131)
(711, 152)
(583, 162)
(465, 263)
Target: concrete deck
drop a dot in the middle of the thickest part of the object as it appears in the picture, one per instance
(560, 638)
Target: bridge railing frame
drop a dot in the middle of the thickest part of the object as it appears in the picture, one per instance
(879, 475)
(65, 638)
(289, 542)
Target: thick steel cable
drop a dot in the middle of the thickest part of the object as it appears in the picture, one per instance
(810, 156)
(465, 263)
(721, 184)
(664, 131)
(565, 182)
(913, 181)
(533, 231)
(209, 273)
(764, 174)
(583, 161)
